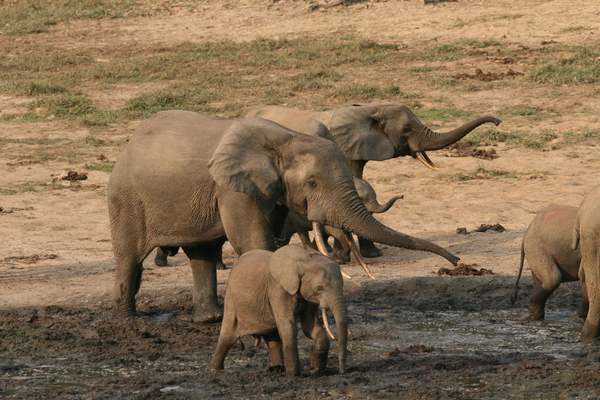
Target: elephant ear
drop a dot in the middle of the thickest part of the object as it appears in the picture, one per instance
(287, 266)
(314, 127)
(358, 131)
(246, 160)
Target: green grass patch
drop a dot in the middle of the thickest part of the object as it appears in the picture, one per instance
(455, 50)
(68, 106)
(36, 16)
(442, 114)
(102, 166)
(582, 67)
(486, 137)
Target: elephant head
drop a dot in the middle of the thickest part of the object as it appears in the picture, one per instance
(307, 174)
(384, 131)
(318, 280)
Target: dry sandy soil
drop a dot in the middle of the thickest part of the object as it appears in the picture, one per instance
(415, 334)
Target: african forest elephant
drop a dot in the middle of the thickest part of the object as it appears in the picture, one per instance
(586, 235)
(269, 293)
(341, 250)
(373, 132)
(547, 247)
(191, 181)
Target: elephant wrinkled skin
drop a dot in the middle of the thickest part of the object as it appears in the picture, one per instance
(269, 293)
(186, 180)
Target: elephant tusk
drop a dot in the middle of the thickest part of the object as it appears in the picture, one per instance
(345, 275)
(319, 239)
(354, 250)
(424, 158)
(326, 323)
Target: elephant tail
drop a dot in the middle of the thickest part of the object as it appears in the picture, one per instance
(575, 240)
(516, 292)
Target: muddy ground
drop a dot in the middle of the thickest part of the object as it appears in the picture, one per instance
(75, 83)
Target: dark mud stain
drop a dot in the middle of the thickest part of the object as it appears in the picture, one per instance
(479, 75)
(419, 338)
(465, 270)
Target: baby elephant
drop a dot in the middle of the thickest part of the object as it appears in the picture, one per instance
(268, 293)
(547, 245)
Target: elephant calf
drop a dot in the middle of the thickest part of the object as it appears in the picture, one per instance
(547, 245)
(269, 292)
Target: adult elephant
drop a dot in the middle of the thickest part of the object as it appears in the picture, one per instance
(373, 132)
(191, 181)
(586, 237)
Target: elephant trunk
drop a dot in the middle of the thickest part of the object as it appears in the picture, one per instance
(377, 208)
(354, 217)
(338, 309)
(431, 140)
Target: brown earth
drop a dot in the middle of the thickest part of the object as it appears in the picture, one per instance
(415, 335)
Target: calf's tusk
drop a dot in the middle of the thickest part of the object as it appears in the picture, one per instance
(326, 323)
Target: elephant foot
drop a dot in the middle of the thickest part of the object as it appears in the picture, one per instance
(368, 249)
(318, 362)
(124, 309)
(536, 313)
(276, 369)
(161, 259)
(589, 332)
(207, 315)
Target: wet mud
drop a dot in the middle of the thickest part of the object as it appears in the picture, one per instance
(414, 338)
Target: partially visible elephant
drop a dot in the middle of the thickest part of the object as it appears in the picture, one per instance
(547, 247)
(269, 293)
(586, 235)
(186, 180)
(373, 132)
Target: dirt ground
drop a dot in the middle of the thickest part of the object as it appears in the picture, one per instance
(415, 335)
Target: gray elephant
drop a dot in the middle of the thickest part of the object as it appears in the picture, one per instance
(373, 132)
(547, 247)
(586, 236)
(269, 293)
(341, 250)
(190, 181)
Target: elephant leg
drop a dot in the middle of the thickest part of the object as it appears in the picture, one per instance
(544, 286)
(590, 263)
(273, 342)
(127, 284)
(203, 261)
(341, 251)
(368, 249)
(220, 264)
(161, 258)
(227, 339)
(585, 303)
(311, 326)
(283, 306)
(244, 222)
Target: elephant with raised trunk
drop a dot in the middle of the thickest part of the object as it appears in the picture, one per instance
(586, 236)
(373, 132)
(269, 293)
(190, 181)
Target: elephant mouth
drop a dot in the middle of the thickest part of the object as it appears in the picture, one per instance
(425, 160)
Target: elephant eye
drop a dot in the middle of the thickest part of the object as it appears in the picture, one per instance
(320, 288)
(311, 183)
